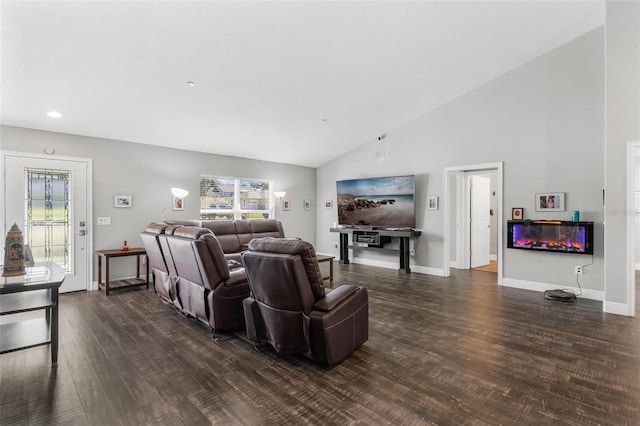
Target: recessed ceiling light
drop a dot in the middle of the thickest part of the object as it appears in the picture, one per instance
(324, 120)
(54, 114)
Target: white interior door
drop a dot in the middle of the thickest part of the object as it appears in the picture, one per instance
(480, 221)
(47, 198)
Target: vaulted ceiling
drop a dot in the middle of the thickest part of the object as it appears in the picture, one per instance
(291, 82)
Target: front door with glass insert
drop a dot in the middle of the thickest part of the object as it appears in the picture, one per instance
(47, 199)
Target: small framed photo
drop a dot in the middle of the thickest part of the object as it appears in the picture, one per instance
(328, 204)
(550, 201)
(517, 213)
(286, 205)
(178, 203)
(432, 203)
(307, 204)
(123, 201)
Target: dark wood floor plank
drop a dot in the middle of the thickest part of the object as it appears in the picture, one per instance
(442, 351)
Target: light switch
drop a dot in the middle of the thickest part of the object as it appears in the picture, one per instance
(104, 221)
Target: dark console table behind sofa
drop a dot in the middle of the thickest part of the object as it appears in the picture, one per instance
(376, 238)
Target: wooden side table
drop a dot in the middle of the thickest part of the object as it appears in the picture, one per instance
(323, 258)
(123, 283)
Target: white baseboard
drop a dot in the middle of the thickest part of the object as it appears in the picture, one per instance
(541, 287)
(616, 308)
(438, 272)
(493, 257)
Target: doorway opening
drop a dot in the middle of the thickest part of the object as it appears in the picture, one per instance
(473, 218)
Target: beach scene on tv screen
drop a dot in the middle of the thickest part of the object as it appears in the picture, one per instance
(383, 202)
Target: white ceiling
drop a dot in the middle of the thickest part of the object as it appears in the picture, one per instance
(266, 73)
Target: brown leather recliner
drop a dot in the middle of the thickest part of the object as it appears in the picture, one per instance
(163, 284)
(291, 310)
(206, 288)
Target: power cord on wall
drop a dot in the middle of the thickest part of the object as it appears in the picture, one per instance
(416, 243)
(582, 268)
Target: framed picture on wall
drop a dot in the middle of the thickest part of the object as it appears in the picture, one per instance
(432, 203)
(517, 213)
(307, 204)
(286, 205)
(550, 201)
(328, 204)
(178, 203)
(123, 201)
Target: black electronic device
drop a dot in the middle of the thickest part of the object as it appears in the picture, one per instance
(560, 295)
(371, 238)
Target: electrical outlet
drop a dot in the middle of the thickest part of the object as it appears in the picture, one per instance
(578, 270)
(413, 252)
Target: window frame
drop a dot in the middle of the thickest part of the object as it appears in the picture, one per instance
(237, 212)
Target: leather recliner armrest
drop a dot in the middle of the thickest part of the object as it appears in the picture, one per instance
(331, 300)
(233, 264)
(236, 276)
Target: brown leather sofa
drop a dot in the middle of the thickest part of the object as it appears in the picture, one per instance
(196, 278)
(291, 310)
(234, 235)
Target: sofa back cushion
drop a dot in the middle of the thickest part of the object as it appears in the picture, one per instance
(225, 232)
(186, 222)
(261, 228)
(244, 233)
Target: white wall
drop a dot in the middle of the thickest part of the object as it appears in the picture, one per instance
(544, 120)
(148, 172)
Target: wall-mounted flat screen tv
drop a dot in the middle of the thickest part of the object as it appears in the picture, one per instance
(555, 236)
(380, 202)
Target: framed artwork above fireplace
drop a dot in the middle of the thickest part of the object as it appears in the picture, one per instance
(550, 201)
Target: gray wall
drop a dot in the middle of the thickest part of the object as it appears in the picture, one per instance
(623, 126)
(148, 172)
(544, 120)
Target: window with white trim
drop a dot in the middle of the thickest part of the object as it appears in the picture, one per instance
(234, 198)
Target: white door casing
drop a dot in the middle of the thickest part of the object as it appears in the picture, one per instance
(78, 231)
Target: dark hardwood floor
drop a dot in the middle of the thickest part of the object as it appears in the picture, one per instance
(455, 351)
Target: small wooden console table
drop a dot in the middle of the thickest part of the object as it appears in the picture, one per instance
(124, 283)
(36, 290)
(374, 237)
(322, 258)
